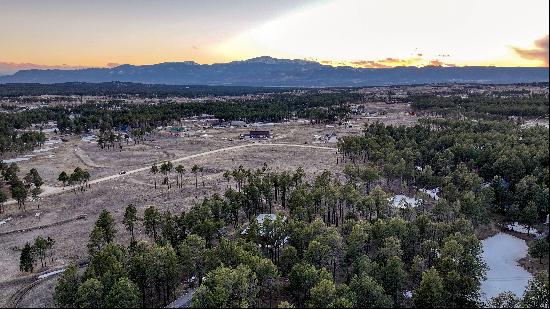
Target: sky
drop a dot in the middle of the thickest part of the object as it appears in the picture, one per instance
(360, 33)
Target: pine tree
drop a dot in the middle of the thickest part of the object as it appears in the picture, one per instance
(130, 217)
(124, 294)
(27, 259)
(67, 288)
(90, 294)
(430, 293)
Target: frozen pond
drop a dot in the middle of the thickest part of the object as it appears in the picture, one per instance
(501, 253)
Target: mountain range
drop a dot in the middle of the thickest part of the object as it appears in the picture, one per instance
(268, 71)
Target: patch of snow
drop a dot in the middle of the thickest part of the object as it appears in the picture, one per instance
(51, 273)
(403, 201)
(89, 138)
(44, 149)
(433, 193)
(52, 141)
(261, 124)
(5, 221)
(262, 217)
(520, 228)
(18, 159)
(501, 253)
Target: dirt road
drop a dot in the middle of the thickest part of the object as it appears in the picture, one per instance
(59, 190)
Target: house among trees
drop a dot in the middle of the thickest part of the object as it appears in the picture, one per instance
(257, 134)
(261, 219)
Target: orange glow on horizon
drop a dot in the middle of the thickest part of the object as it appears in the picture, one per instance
(357, 33)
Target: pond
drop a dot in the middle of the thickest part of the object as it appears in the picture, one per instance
(502, 252)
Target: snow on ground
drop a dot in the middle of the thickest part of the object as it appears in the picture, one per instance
(403, 201)
(52, 141)
(89, 138)
(18, 159)
(501, 253)
(5, 221)
(36, 151)
(51, 273)
(520, 228)
(44, 149)
(433, 193)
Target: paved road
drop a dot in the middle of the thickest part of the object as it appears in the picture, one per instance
(58, 190)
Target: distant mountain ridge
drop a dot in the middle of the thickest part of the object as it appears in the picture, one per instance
(269, 71)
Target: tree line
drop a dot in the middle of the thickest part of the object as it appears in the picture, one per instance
(31, 253)
(491, 106)
(140, 118)
(128, 89)
(480, 167)
(17, 188)
(331, 244)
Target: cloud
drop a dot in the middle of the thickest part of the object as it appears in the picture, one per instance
(112, 64)
(390, 62)
(439, 63)
(369, 64)
(539, 52)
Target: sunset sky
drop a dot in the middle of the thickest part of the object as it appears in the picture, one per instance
(362, 33)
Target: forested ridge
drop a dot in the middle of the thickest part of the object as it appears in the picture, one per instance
(125, 89)
(494, 106)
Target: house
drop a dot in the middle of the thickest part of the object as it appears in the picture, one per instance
(259, 134)
(261, 218)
